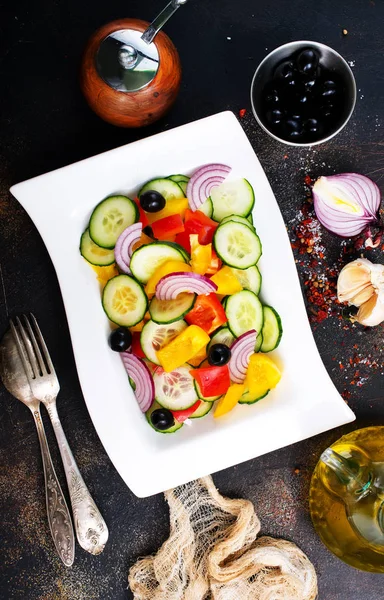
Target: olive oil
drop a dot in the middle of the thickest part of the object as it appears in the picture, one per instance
(347, 499)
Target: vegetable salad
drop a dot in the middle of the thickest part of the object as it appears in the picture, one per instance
(178, 267)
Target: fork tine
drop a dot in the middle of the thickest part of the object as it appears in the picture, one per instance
(27, 345)
(43, 345)
(36, 348)
(24, 359)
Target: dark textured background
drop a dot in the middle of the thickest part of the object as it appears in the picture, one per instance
(45, 124)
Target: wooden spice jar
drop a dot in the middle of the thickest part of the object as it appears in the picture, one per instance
(126, 81)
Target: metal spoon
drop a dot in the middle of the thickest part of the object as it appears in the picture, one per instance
(161, 19)
(15, 380)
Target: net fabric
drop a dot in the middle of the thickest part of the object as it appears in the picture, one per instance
(213, 553)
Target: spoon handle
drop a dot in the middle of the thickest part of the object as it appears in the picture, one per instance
(59, 518)
(91, 529)
(161, 19)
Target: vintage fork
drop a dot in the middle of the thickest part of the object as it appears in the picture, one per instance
(91, 529)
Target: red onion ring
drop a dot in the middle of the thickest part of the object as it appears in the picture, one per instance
(170, 286)
(363, 194)
(202, 182)
(124, 245)
(141, 375)
(241, 351)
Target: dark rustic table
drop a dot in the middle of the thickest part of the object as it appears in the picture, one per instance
(45, 124)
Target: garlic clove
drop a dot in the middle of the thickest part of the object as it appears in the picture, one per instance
(354, 284)
(371, 313)
(363, 295)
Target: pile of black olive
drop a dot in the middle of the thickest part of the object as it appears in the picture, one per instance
(303, 102)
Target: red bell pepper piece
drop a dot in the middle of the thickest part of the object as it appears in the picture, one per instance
(143, 217)
(136, 345)
(207, 313)
(183, 240)
(213, 381)
(183, 415)
(198, 222)
(163, 229)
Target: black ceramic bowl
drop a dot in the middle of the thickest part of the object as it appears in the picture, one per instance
(332, 68)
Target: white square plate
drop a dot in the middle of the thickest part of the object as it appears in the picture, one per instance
(304, 403)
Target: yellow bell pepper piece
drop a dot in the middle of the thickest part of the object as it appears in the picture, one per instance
(262, 374)
(229, 401)
(104, 274)
(144, 239)
(182, 348)
(196, 360)
(201, 255)
(226, 281)
(171, 266)
(174, 206)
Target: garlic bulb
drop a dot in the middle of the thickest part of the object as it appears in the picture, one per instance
(361, 284)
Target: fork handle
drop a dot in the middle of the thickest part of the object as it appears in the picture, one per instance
(90, 527)
(59, 518)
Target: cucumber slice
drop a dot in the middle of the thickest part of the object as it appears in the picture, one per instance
(222, 336)
(250, 279)
(259, 341)
(94, 254)
(181, 180)
(168, 311)
(197, 387)
(207, 208)
(237, 245)
(124, 301)
(172, 429)
(244, 312)
(203, 410)
(182, 250)
(272, 329)
(166, 187)
(110, 217)
(248, 398)
(250, 219)
(238, 219)
(154, 337)
(175, 390)
(148, 258)
(232, 198)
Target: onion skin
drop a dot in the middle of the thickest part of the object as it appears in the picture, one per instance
(346, 203)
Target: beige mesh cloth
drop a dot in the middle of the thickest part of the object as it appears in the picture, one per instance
(213, 553)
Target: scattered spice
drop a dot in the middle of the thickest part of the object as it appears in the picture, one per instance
(345, 32)
(296, 471)
(242, 113)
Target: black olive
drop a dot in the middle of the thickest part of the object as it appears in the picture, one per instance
(329, 93)
(313, 126)
(120, 339)
(293, 85)
(162, 419)
(311, 85)
(293, 128)
(151, 201)
(284, 71)
(272, 97)
(307, 61)
(148, 231)
(219, 355)
(302, 99)
(274, 116)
